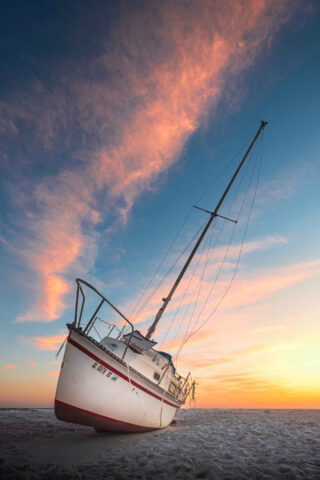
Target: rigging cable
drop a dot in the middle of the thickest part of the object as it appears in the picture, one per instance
(134, 311)
(160, 265)
(182, 299)
(229, 244)
(227, 250)
(168, 272)
(237, 262)
(210, 234)
(215, 243)
(200, 279)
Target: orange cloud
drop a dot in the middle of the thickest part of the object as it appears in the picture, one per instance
(213, 259)
(253, 289)
(31, 364)
(172, 65)
(48, 343)
(246, 291)
(265, 348)
(10, 366)
(53, 373)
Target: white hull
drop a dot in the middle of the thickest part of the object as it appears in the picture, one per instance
(97, 389)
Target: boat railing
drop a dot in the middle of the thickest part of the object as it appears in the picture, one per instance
(110, 329)
(185, 385)
(92, 322)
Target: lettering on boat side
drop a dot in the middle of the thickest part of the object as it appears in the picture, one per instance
(104, 370)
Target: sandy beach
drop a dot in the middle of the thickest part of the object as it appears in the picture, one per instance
(213, 444)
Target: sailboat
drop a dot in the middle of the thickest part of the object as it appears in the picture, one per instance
(120, 381)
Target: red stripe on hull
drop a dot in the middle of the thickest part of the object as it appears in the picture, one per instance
(72, 414)
(114, 370)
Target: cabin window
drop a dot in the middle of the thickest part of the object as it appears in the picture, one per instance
(172, 388)
(156, 376)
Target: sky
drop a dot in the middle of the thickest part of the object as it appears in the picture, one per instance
(116, 118)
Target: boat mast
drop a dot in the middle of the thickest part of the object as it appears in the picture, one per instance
(213, 214)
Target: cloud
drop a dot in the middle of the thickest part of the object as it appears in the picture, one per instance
(276, 189)
(10, 366)
(266, 348)
(126, 115)
(247, 290)
(251, 290)
(47, 343)
(31, 364)
(216, 255)
(212, 260)
(55, 362)
(53, 373)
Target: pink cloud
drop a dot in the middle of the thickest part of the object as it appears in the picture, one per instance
(31, 364)
(246, 291)
(10, 366)
(48, 343)
(141, 122)
(214, 259)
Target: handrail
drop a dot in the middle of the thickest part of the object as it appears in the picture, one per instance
(185, 381)
(90, 323)
(187, 393)
(82, 304)
(79, 281)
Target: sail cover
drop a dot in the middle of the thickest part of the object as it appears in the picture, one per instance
(136, 340)
(169, 357)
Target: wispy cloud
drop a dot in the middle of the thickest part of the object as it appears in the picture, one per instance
(170, 63)
(10, 366)
(278, 189)
(213, 260)
(31, 363)
(47, 343)
(218, 254)
(55, 362)
(247, 290)
(266, 348)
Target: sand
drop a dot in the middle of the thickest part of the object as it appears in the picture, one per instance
(213, 444)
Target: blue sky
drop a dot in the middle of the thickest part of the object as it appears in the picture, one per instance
(84, 88)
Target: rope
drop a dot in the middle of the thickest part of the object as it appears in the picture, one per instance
(185, 292)
(169, 271)
(206, 262)
(238, 258)
(140, 398)
(135, 311)
(215, 243)
(210, 234)
(160, 265)
(200, 280)
(230, 241)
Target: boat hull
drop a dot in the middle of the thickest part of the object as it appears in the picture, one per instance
(97, 390)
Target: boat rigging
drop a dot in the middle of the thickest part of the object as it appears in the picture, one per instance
(213, 215)
(120, 381)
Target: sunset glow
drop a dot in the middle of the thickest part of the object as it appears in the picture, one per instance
(110, 138)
